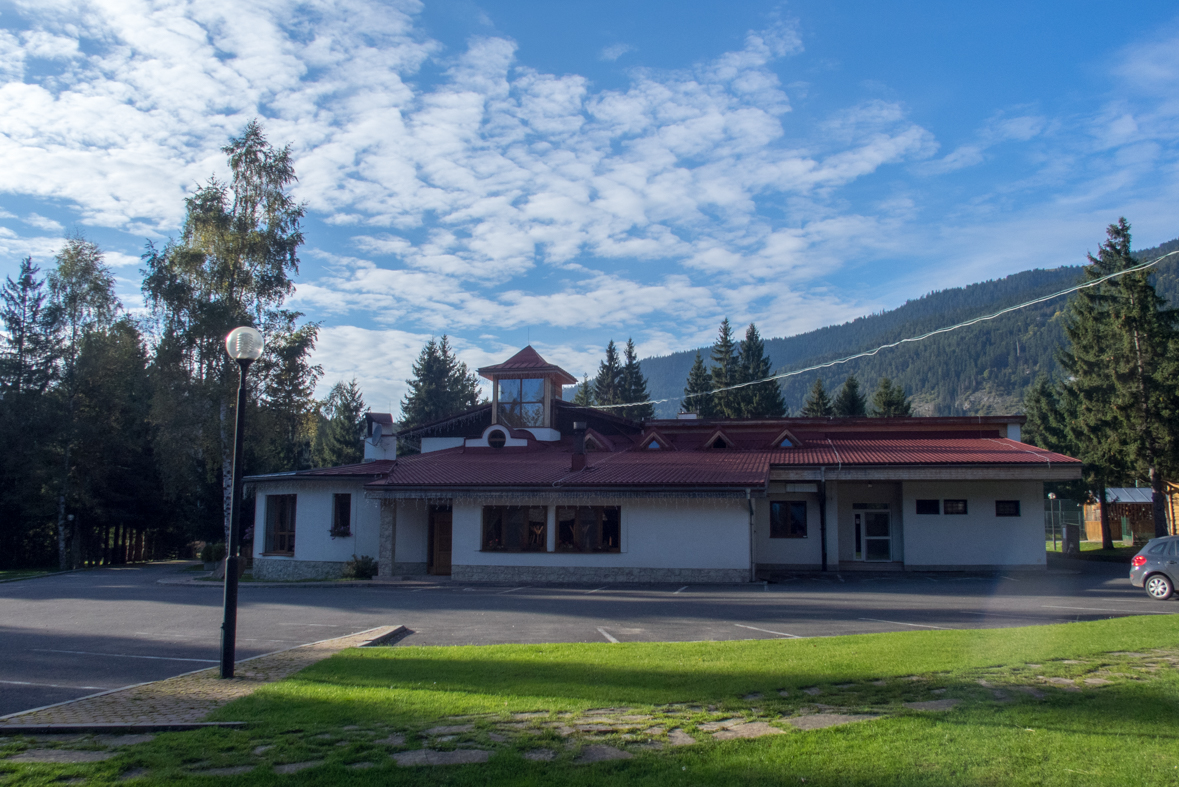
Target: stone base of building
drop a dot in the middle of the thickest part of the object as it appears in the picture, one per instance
(581, 574)
(408, 569)
(277, 569)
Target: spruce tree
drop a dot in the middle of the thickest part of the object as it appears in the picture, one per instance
(28, 352)
(889, 401)
(726, 371)
(585, 393)
(1143, 366)
(1089, 327)
(765, 399)
(608, 384)
(849, 402)
(818, 403)
(634, 386)
(340, 438)
(442, 385)
(698, 397)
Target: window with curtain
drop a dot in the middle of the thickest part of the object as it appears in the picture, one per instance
(515, 529)
(280, 524)
(589, 529)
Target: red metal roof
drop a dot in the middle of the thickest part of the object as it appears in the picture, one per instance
(528, 360)
(548, 464)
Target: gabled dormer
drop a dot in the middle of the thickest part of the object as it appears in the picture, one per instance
(719, 440)
(655, 441)
(785, 439)
(522, 392)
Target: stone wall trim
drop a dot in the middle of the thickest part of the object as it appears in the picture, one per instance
(581, 574)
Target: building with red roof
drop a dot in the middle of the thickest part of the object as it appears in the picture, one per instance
(531, 488)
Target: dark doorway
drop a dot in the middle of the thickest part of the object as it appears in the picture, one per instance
(440, 540)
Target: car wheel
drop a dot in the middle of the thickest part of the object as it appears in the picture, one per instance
(1159, 587)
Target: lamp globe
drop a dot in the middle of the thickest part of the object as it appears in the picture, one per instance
(244, 344)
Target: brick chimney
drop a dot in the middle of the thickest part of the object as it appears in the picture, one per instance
(578, 446)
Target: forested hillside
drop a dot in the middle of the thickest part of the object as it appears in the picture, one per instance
(978, 370)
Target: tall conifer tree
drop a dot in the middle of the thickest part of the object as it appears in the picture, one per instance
(634, 386)
(890, 401)
(442, 385)
(698, 397)
(763, 400)
(818, 403)
(584, 396)
(340, 437)
(608, 384)
(849, 402)
(1089, 327)
(1143, 367)
(726, 371)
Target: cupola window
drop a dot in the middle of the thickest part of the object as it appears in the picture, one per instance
(497, 439)
(521, 402)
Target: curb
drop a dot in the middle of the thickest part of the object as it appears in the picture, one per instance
(5, 725)
(113, 727)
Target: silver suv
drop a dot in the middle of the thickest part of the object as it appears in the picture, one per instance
(1156, 567)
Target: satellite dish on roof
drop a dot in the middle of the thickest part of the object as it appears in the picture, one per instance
(377, 431)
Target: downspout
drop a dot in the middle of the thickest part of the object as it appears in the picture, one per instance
(752, 565)
(823, 514)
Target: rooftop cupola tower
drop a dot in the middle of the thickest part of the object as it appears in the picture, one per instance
(522, 392)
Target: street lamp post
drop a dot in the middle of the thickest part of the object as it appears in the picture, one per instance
(1052, 516)
(244, 345)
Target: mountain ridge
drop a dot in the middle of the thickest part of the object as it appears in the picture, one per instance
(982, 369)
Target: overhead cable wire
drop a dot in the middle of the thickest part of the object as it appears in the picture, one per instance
(909, 340)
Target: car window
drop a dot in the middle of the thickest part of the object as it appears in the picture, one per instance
(1174, 548)
(1158, 549)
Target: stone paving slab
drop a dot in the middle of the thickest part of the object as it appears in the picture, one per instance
(188, 698)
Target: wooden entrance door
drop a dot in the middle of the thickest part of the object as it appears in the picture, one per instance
(440, 542)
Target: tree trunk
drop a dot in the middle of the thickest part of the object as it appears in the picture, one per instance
(61, 520)
(1106, 536)
(1158, 502)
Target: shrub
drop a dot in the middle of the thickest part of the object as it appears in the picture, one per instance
(363, 567)
(212, 553)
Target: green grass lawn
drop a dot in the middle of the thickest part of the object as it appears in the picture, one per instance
(24, 573)
(1091, 550)
(1119, 728)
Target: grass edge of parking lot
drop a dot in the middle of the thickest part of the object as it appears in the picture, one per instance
(1073, 736)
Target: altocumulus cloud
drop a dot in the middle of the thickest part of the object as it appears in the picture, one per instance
(488, 196)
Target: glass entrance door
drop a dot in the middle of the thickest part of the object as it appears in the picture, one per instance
(877, 536)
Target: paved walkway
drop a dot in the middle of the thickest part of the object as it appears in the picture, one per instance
(189, 698)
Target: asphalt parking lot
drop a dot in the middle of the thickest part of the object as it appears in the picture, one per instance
(71, 635)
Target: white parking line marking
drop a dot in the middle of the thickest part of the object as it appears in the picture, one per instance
(681, 590)
(1099, 609)
(767, 631)
(50, 685)
(123, 655)
(595, 590)
(606, 634)
(513, 590)
(914, 625)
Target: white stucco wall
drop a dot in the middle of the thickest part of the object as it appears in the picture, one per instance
(313, 520)
(412, 530)
(656, 533)
(978, 538)
(788, 551)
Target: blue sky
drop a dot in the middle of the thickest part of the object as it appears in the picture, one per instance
(566, 173)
